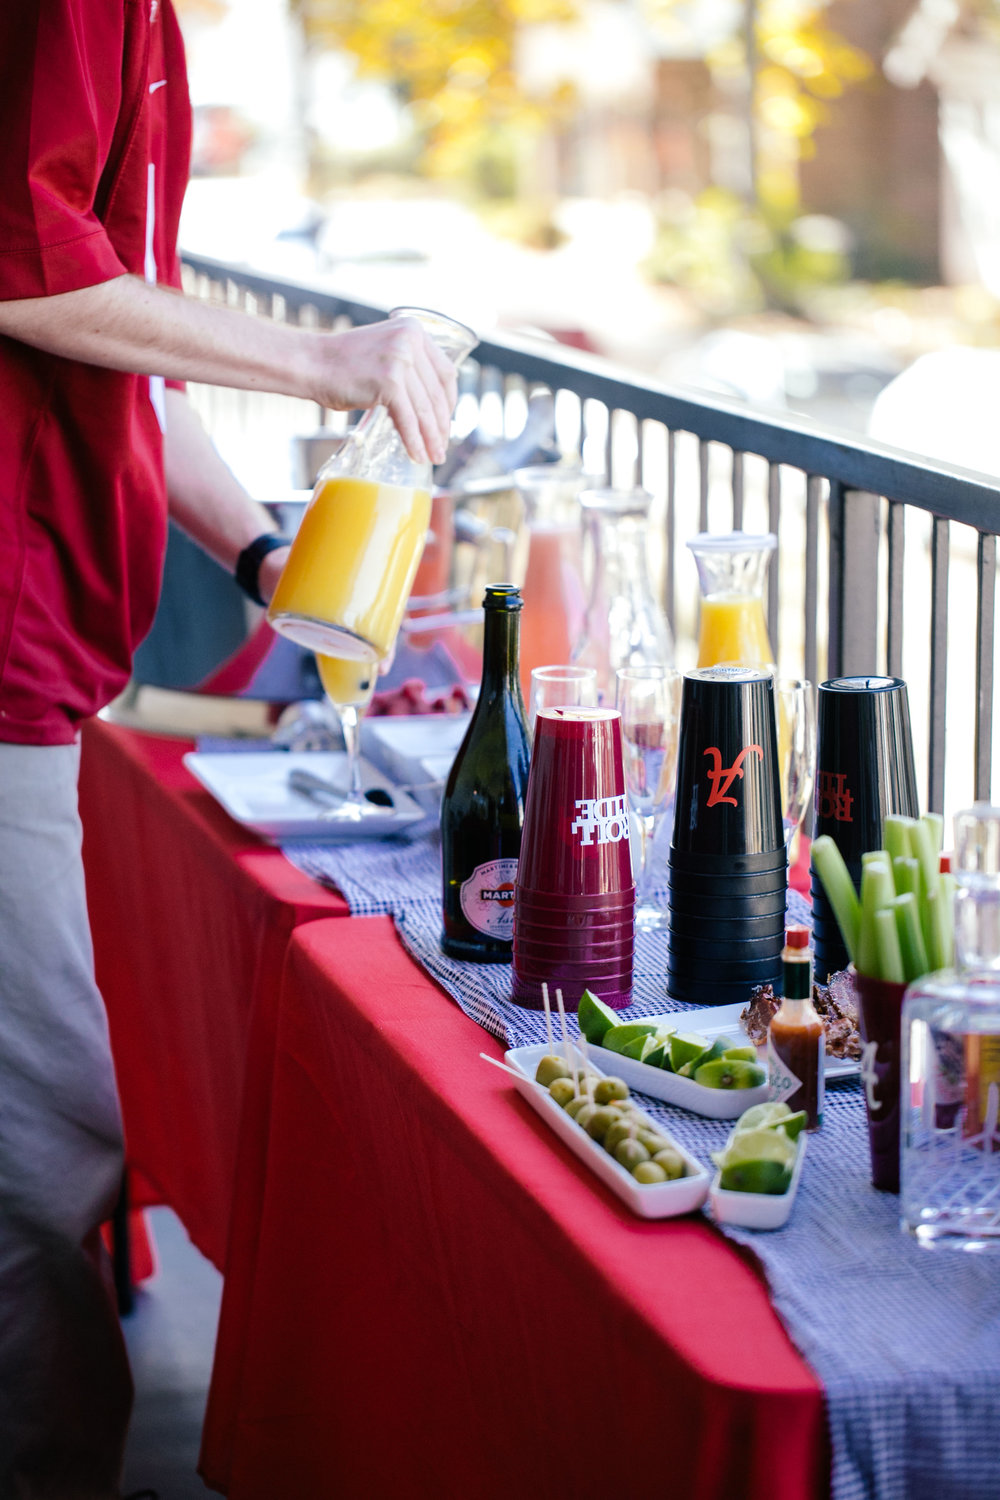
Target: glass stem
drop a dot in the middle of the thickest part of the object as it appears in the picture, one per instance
(350, 727)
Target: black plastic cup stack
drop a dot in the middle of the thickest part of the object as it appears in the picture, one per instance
(728, 864)
(864, 771)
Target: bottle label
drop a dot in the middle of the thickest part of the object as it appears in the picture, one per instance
(488, 898)
(782, 1082)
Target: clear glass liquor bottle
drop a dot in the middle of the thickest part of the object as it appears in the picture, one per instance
(950, 1140)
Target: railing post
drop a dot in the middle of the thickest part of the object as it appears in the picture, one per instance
(854, 539)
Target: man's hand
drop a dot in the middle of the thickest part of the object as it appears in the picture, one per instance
(394, 364)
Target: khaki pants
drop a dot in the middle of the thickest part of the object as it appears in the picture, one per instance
(65, 1388)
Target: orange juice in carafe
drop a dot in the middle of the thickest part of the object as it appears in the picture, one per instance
(731, 569)
(733, 628)
(352, 564)
(354, 558)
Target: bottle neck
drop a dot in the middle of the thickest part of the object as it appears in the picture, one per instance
(977, 923)
(797, 975)
(501, 642)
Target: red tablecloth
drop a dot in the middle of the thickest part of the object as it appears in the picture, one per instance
(191, 916)
(440, 1300)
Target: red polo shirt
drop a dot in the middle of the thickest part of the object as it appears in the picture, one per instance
(95, 125)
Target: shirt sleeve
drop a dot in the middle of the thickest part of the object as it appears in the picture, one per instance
(66, 92)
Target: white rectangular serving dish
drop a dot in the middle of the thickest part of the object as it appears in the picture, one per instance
(658, 1083)
(756, 1210)
(713, 1104)
(415, 751)
(253, 788)
(657, 1200)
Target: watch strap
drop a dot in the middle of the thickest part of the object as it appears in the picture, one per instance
(247, 570)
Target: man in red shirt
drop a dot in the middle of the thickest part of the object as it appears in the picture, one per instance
(97, 446)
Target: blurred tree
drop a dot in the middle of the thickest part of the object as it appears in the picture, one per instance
(453, 63)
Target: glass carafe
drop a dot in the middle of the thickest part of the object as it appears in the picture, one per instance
(351, 567)
(732, 567)
(623, 625)
(553, 583)
(950, 1139)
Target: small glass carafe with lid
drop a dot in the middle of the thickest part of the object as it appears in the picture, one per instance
(950, 1138)
(732, 568)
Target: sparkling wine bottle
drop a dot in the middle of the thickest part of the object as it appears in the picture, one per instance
(482, 811)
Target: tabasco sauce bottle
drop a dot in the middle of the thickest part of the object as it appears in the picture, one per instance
(796, 1037)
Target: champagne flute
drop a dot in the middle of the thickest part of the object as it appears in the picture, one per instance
(796, 706)
(561, 687)
(349, 686)
(648, 697)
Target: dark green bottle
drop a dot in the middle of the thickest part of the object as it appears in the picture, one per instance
(482, 811)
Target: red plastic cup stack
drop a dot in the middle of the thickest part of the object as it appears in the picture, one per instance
(574, 901)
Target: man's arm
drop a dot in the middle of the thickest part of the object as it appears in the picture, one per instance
(207, 500)
(126, 324)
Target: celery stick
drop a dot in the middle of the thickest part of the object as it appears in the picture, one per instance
(896, 836)
(911, 940)
(877, 891)
(887, 941)
(938, 929)
(936, 824)
(906, 874)
(924, 849)
(829, 865)
(876, 856)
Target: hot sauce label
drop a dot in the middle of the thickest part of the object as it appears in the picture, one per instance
(721, 778)
(601, 820)
(782, 1082)
(833, 797)
(487, 898)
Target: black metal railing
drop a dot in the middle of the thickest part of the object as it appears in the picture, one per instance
(876, 546)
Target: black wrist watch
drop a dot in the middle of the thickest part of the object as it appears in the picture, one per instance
(247, 571)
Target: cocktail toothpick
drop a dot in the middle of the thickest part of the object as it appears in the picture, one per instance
(548, 1016)
(567, 1049)
(514, 1072)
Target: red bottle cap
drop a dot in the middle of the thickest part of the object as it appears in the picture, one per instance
(796, 937)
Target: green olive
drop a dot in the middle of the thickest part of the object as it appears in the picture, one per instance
(601, 1121)
(672, 1162)
(575, 1105)
(653, 1140)
(610, 1088)
(648, 1172)
(584, 1115)
(562, 1091)
(630, 1153)
(551, 1067)
(619, 1131)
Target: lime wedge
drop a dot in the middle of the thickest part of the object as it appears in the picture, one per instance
(617, 1038)
(685, 1047)
(792, 1125)
(760, 1145)
(755, 1177)
(595, 1017)
(757, 1115)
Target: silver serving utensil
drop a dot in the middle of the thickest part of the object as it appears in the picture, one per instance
(316, 789)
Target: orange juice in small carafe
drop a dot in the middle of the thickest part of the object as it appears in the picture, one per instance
(731, 569)
(355, 555)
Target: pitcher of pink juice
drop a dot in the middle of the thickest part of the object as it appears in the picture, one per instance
(553, 586)
(344, 588)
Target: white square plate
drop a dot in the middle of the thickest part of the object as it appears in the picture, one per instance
(253, 788)
(655, 1200)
